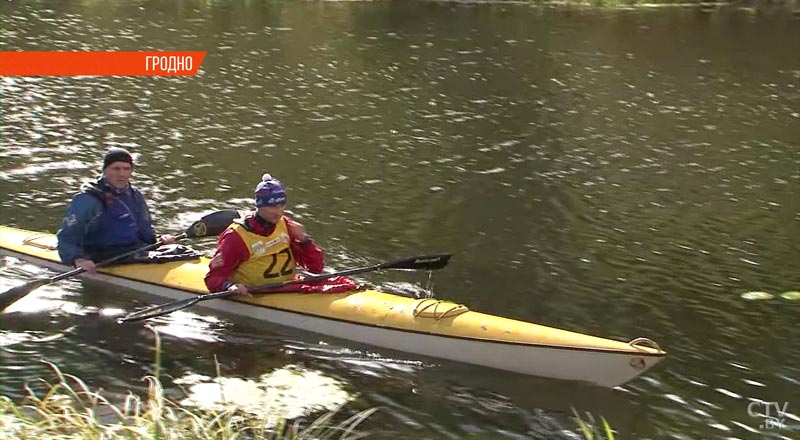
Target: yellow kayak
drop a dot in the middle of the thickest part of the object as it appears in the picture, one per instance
(429, 327)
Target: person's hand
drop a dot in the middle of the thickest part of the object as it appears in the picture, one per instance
(297, 230)
(85, 264)
(167, 239)
(239, 289)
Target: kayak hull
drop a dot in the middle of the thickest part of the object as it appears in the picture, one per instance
(429, 327)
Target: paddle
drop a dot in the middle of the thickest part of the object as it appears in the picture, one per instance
(211, 224)
(419, 262)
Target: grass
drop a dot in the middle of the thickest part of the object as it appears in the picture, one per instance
(704, 4)
(590, 430)
(66, 408)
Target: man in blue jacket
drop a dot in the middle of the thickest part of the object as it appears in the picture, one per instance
(107, 218)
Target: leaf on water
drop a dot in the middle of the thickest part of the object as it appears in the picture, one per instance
(791, 295)
(756, 295)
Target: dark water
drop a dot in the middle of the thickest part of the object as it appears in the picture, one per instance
(622, 173)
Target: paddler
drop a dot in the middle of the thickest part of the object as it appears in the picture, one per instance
(107, 218)
(267, 247)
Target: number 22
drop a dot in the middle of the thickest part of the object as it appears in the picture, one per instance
(285, 270)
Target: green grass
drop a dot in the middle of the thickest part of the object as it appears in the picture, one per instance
(590, 430)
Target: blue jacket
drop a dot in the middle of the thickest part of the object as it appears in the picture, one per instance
(102, 218)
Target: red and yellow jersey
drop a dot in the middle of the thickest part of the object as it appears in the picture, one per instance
(235, 250)
(270, 258)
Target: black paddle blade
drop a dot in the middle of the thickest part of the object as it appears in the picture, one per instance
(12, 295)
(212, 224)
(155, 311)
(420, 262)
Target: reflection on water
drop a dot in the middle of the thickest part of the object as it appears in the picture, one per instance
(10, 338)
(287, 393)
(622, 173)
(49, 298)
(188, 325)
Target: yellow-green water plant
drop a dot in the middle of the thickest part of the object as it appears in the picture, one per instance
(791, 295)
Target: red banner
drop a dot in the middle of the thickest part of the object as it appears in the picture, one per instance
(100, 63)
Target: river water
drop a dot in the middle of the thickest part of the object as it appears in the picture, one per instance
(623, 173)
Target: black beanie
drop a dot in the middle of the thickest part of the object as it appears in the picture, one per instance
(115, 154)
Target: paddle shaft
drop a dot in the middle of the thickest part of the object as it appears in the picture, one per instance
(313, 278)
(81, 270)
(16, 293)
(405, 263)
(168, 308)
(211, 224)
(429, 262)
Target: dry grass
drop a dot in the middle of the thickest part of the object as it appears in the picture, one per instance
(66, 408)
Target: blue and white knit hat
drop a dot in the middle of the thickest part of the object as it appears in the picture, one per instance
(270, 192)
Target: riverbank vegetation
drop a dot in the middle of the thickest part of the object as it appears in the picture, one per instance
(708, 6)
(66, 408)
